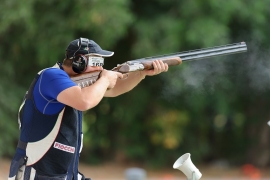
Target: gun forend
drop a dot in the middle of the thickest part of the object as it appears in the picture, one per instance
(131, 66)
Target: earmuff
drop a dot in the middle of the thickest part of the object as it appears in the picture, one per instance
(80, 62)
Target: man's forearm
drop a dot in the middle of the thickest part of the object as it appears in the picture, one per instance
(124, 85)
(94, 93)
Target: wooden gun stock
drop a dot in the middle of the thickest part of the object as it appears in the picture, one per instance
(86, 79)
(173, 61)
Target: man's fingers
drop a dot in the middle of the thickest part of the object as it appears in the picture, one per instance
(162, 65)
(159, 66)
(166, 67)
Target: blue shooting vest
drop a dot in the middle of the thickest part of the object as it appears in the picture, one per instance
(49, 145)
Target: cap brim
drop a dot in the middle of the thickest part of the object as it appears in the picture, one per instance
(103, 53)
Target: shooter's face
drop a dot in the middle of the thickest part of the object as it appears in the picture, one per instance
(95, 63)
(93, 68)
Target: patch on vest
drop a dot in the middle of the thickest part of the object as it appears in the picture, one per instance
(63, 147)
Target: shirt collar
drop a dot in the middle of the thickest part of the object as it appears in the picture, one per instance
(58, 65)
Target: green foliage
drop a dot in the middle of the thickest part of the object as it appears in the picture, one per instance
(8, 124)
(214, 109)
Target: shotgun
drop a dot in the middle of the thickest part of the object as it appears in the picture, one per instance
(84, 80)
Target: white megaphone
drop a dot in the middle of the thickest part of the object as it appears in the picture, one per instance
(185, 164)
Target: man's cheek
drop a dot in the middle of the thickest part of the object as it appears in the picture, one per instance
(93, 68)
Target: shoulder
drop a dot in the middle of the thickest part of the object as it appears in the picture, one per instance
(52, 81)
(54, 72)
(55, 76)
(51, 74)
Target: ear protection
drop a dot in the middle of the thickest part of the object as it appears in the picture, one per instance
(80, 62)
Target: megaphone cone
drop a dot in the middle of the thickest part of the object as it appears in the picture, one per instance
(185, 165)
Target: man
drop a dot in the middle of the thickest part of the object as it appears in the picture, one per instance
(50, 116)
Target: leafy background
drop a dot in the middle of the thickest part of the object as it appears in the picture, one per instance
(217, 109)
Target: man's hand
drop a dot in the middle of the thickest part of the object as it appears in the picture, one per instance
(111, 77)
(159, 67)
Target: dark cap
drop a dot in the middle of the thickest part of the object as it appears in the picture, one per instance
(86, 46)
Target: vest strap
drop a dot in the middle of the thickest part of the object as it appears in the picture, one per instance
(22, 145)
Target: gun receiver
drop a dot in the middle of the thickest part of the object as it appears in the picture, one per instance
(84, 80)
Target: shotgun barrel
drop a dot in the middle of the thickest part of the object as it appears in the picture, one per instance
(201, 53)
(177, 58)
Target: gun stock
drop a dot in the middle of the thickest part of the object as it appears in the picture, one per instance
(84, 80)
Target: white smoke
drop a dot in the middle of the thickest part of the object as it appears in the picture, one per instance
(249, 70)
